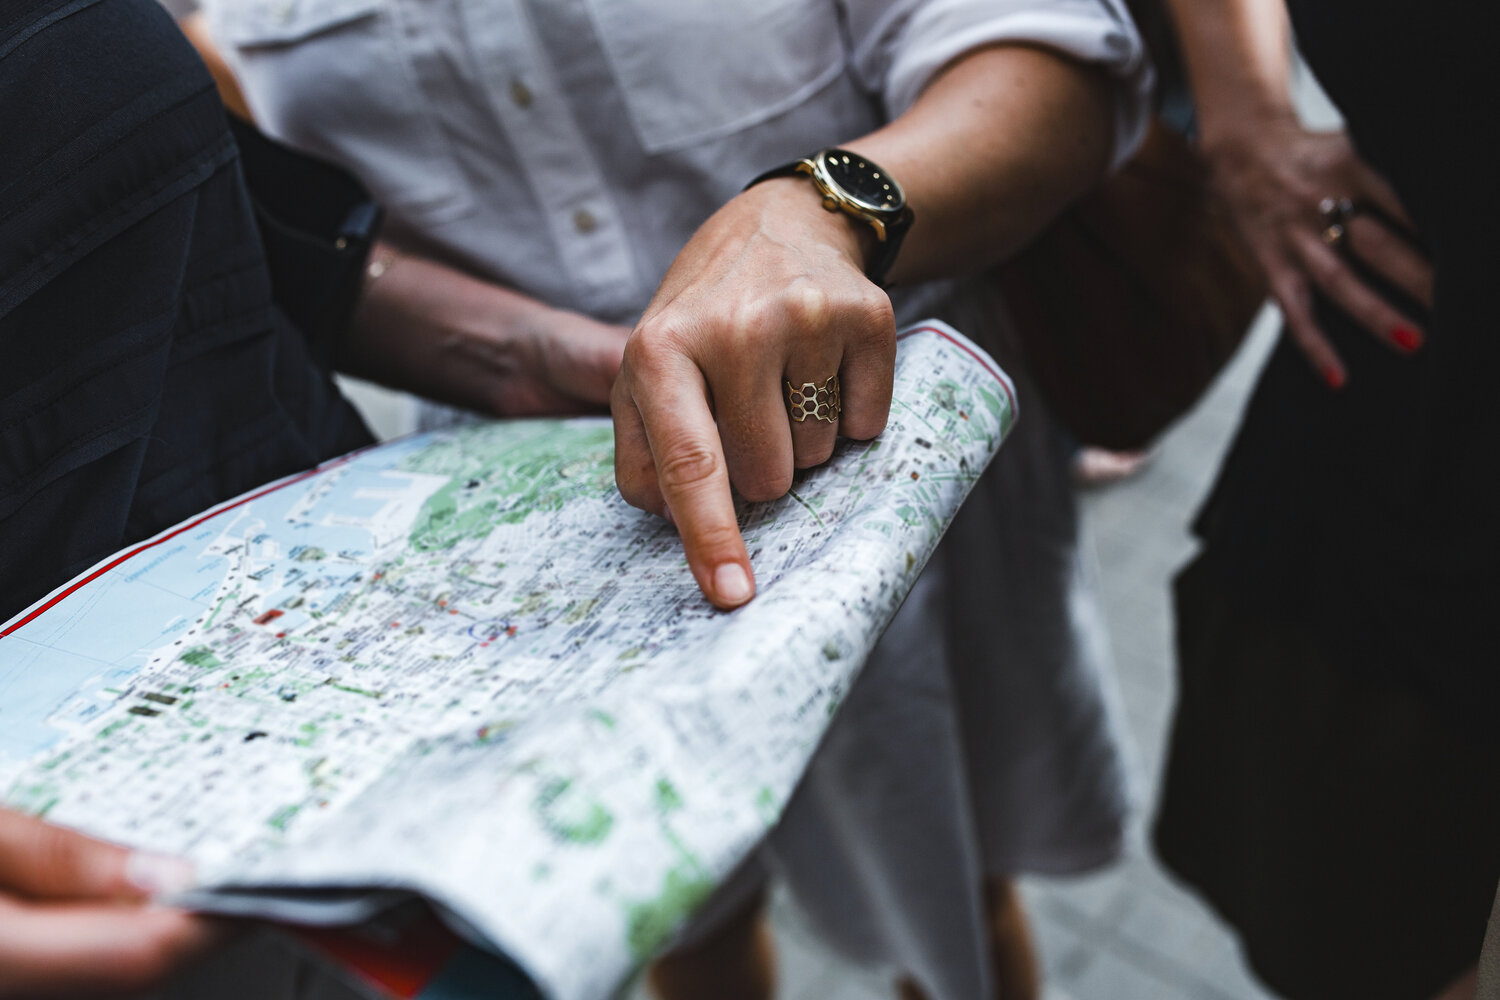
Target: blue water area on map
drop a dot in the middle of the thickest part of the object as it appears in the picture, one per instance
(27, 704)
(102, 634)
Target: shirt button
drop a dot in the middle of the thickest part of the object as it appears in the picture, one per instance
(520, 94)
(584, 221)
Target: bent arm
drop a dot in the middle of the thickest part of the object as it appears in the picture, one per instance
(994, 148)
(431, 329)
(773, 287)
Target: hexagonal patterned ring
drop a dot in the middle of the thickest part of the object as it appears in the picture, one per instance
(820, 402)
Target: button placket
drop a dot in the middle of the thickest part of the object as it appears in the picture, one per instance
(560, 166)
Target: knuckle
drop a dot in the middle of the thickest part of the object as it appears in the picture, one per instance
(878, 313)
(740, 336)
(810, 456)
(807, 306)
(688, 466)
(651, 347)
(763, 486)
(748, 323)
(718, 540)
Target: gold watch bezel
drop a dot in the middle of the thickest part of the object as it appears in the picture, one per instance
(836, 198)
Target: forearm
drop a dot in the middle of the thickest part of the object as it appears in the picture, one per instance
(996, 146)
(438, 332)
(432, 330)
(1238, 58)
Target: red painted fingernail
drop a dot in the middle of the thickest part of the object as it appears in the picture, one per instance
(1407, 338)
(1334, 377)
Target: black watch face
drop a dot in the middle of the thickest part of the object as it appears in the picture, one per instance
(863, 180)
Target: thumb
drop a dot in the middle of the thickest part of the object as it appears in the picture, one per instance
(44, 861)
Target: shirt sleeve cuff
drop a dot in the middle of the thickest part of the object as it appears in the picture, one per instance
(1093, 31)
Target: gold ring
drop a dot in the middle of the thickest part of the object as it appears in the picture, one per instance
(821, 402)
(1335, 213)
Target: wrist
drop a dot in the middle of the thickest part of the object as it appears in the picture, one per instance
(1231, 130)
(794, 201)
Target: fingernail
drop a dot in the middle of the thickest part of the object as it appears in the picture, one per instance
(732, 584)
(1334, 377)
(1406, 338)
(159, 874)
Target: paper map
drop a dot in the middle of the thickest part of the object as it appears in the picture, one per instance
(459, 663)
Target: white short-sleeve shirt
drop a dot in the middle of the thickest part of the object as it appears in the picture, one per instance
(568, 148)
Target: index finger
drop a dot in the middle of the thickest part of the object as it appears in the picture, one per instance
(694, 481)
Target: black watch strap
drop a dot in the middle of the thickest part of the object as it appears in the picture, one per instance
(887, 249)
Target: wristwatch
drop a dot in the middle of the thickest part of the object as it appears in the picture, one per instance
(850, 183)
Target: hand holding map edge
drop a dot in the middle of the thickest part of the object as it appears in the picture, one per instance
(73, 913)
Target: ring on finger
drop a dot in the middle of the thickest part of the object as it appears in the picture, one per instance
(820, 402)
(1335, 213)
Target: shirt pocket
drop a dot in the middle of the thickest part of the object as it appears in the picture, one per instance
(691, 71)
(335, 78)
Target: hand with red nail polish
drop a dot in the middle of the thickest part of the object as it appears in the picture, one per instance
(76, 917)
(1277, 177)
(1272, 181)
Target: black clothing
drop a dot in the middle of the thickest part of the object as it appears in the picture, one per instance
(1367, 514)
(146, 373)
(1345, 830)
(1330, 787)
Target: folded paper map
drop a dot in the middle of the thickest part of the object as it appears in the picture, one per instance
(459, 664)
